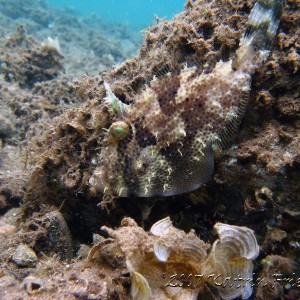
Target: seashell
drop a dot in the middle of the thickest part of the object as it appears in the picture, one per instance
(33, 285)
(242, 237)
(161, 227)
(140, 287)
(153, 259)
(192, 249)
(161, 251)
(229, 265)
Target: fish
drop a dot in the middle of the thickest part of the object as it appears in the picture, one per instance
(163, 144)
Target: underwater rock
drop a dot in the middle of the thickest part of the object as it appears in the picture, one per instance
(58, 240)
(6, 127)
(8, 222)
(167, 263)
(24, 256)
(272, 285)
(6, 229)
(262, 156)
(25, 61)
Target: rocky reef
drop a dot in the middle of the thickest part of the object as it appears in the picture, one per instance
(53, 241)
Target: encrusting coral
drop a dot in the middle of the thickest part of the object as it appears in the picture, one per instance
(167, 263)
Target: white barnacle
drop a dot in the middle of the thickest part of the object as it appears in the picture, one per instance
(216, 104)
(97, 181)
(51, 43)
(182, 132)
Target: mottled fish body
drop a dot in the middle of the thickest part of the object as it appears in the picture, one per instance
(162, 144)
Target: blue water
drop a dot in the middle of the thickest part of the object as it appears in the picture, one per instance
(139, 14)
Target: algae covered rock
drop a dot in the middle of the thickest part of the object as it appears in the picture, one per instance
(25, 61)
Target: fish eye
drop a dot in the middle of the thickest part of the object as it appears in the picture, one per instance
(119, 130)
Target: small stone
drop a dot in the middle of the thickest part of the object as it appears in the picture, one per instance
(59, 240)
(32, 285)
(24, 256)
(276, 235)
(6, 127)
(6, 229)
(83, 251)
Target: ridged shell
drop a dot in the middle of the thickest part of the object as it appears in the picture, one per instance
(161, 251)
(243, 237)
(152, 258)
(161, 227)
(230, 261)
(192, 249)
(140, 287)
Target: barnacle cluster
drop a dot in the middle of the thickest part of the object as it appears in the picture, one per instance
(167, 263)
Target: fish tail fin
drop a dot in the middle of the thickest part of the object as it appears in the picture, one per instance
(263, 24)
(262, 28)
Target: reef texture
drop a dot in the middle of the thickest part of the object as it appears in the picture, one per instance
(254, 184)
(170, 264)
(29, 92)
(35, 72)
(88, 44)
(26, 61)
